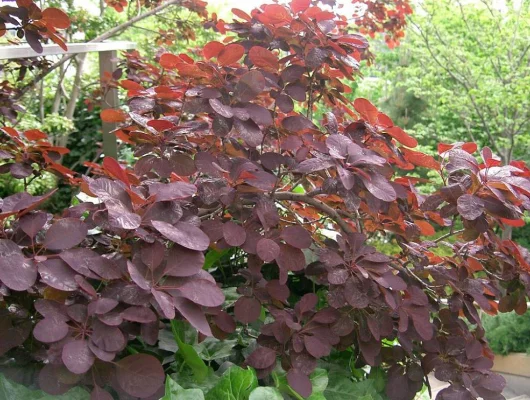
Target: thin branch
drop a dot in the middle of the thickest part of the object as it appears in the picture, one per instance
(324, 208)
(448, 235)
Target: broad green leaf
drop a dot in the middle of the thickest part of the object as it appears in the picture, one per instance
(379, 377)
(187, 380)
(265, 393)
(176, 392)
(340, 387)
(213, 349)
(319, 379)
(235, 384)
(212, 256)
(188, 353)
(11, 390)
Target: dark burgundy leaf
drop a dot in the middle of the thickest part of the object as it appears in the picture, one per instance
(285, 103)
(100, 394)
(234, 234)
(101, 354)
(299, 382)
(16, 272)
(107, 338)
(247, 309)
(297, 123)
(143, 315)
(101, 306)
(316, 57)
(297, 236)
(50, 330)
(202, 292)
(65, 233)
(32, 223)
(291, 258)
(184, 262)
(470, 207)
(165, 303)
(221, 109)
(316, 347)
(138, 277)
(277, 291)
(313, 165)
(194, 315)
(249, 131)
(267, 249)
(77, 357)
(140, 375)
(261, 358)
(56, 273)
(379, 186)
(172, 191)
(187, 235)
(250, 86)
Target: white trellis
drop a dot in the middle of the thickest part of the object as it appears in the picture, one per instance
(108, 52)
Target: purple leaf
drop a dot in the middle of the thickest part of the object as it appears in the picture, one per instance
(234, 234)
(57, 274)
(101, 354)
(250, 85)
(299, 382)
(290, 258)
(267, 249)
(172, 191)
(165, 302)
(140, 375)
(470, 207)
(202, 292)
(249, 131)
(120, 216)
(316, 57)
(316, 347)
(101, 306)
(77, 357)
(296, 236)
(107, 338)
(187, 235)
(85, 260)
(152, 254)
(379, 186)
(194, 315)
(142, 315)
(50, 330)
(183, 262)
(65, 233)
(137, 277)
(277, 291)
(16, 272)
(313, 165)
(32, 223)
(297, 123)
(100, 394)
(247, 309)
(261, 358)
(221, 109)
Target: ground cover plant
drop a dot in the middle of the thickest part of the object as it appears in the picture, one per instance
(236, 253)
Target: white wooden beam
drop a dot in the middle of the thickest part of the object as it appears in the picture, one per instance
(25, 51)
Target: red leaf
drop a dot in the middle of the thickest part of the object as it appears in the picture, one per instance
(114, 168)
(263, 58)
(212, 49)
(420, 159)
(517, 223)
(300, 5)
(113, 116)
(161, 124)
(130, 85)
(230, 54)
(241, 14)
(425, 228)
(35, 134)
(401, 136)
(170, 61)
(366, 110)
(56, 18)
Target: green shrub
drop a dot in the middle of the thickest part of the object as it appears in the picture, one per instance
(508, 333)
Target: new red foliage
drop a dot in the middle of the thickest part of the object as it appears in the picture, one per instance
(223, 149)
